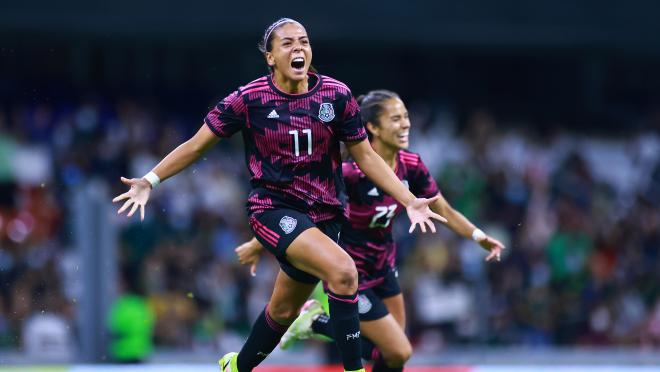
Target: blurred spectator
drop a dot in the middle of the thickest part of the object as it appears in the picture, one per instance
(579, 216)
(131, 323)
(48, 337)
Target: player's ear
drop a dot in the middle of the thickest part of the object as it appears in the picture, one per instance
(270, 59)
(373, 129)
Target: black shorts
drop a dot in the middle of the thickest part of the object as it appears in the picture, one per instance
(370, 300)
(276, 229)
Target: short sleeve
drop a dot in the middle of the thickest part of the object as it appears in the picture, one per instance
(351, 177)
(350, 128)
(228, 116)
(422, 184)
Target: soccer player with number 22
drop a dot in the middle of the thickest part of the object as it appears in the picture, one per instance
(367, 237)
(292, 121)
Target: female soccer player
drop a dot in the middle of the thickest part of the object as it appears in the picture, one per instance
(292, 121)
(367, 237)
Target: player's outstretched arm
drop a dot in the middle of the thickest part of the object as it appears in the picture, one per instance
(249, 253)
(458, 223)
(177, 160)
(380, 173)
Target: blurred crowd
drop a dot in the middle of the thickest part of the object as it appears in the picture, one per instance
(578, 214)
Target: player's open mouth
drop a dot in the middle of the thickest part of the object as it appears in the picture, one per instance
(298, 63)
(403, 136)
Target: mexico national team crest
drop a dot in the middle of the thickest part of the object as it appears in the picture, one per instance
(364, 305)
(288, 224)
(326, 112)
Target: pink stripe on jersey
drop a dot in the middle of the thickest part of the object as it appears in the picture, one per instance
(238, 106)
(267, 234)
(409, 159)
(255, 89)
(408, 154)
(265, 237)
(366, 284)
(261, 80)
(334, 81)
(270, 232)
(215, 123)
(336, 85)
(264, 231)
(255, 166)
(352, 108)
(256, 82)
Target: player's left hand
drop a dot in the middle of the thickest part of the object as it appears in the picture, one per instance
(493, 246)
(137, 196)
(249, 253)
(420, 214)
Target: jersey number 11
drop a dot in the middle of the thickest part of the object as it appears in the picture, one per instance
(296, 142)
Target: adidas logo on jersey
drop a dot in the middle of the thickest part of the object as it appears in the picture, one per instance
(373, 192)
(273, 115)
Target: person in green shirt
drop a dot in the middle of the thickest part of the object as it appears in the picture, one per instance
(131, 324)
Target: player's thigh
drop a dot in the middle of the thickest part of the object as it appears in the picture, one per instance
(288, 297)
(276, 229)
(389, 294)
(396, 306)
(315, 253)
(388, 336)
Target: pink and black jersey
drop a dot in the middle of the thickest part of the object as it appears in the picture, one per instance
(367, 236)
(292, 142)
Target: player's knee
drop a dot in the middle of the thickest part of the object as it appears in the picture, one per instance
(282, 313)
(344, 277)
(397, 358)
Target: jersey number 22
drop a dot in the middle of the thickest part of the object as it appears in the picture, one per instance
(383, 216)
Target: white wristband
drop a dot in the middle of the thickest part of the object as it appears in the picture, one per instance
(154, 180)
(478, 235)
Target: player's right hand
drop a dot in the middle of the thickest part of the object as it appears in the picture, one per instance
(137, 196)
(249, 253)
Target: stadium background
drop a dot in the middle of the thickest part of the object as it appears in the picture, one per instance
(540, 121)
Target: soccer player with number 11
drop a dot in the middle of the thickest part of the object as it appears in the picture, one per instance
(292, 121)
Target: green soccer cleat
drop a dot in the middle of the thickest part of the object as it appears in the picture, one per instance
(301, 328)
(228, 362)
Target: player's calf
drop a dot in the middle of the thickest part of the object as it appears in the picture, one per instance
(283, 313)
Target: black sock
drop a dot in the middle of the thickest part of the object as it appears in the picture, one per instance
(381, 366)
(264, 336)
(368, 349)
(346, 329)
(322, 326)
